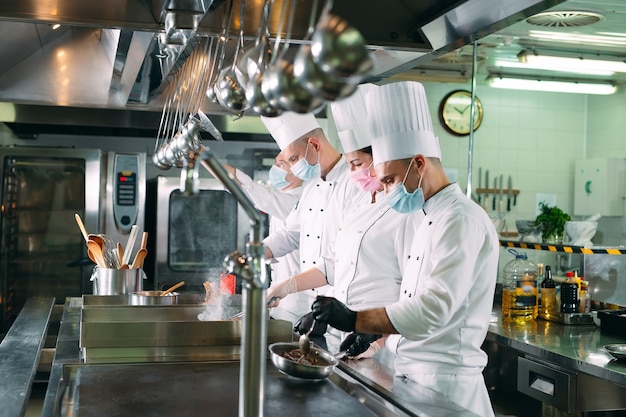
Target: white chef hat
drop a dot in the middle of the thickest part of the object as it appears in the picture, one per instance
(400, 122)
(289, 126)
(351, 119)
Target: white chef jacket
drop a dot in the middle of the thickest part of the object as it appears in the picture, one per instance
(446, 299)
(314, 222)
(369, 253)
(278, 204)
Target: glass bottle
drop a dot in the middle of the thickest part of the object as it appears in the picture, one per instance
(549, 308)
(569, 294)
(519, 290)
(584, 297)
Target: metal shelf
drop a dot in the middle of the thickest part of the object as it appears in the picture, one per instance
(563, 248)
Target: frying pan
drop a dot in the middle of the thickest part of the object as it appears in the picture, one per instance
(302, 370)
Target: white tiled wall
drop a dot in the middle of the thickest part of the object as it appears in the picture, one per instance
(534, 137)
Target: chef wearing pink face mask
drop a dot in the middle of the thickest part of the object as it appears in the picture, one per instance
(364, 265)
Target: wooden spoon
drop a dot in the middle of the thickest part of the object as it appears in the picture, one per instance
(96, 252)
(120, 253)
(172, 288)
(81, 226)
(139, 257)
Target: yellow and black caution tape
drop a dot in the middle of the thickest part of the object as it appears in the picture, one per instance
(562, 248)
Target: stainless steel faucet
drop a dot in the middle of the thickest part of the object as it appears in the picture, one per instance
(251, 268)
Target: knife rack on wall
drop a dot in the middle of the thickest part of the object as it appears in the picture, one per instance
(495, 191)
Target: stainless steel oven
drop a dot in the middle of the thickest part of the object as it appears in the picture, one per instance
(42, 251)
(192, 234)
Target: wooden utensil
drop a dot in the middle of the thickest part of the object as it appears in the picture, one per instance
(172, 288)
(129, 245)
(144, 240)
(96, 252)
(81, 226)
(139, 257)
(120, 253)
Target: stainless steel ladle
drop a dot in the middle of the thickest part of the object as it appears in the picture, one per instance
(304, 342)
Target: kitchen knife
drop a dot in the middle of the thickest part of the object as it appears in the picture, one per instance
(486, 198)
(495, 197)
(509, 194)
(500, 199)
(480, 174)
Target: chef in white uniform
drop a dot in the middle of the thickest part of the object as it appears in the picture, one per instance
(370, 246)
(326, 196)
(440, 322)
(278, 201)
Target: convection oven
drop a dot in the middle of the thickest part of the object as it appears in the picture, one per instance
(42, 251)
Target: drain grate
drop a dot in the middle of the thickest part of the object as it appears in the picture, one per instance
(565, 18)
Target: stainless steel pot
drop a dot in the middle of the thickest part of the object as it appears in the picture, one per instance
(149, 298)
(109, 281)
(302, 370)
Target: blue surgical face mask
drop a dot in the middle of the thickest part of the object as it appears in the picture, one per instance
(278, 177)
(304, 171)
(402, 201)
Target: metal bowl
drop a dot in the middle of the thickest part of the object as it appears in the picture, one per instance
(148, 298)
(302, 370)
(617, 350)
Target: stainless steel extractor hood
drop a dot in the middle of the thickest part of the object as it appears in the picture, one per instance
(110, 55)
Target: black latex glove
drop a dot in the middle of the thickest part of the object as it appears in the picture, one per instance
(304, 324)
(334, 312)
(356, 343)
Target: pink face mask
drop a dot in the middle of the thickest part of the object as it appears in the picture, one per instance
(362, 179)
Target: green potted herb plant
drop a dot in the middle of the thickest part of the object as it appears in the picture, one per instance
(553, 221)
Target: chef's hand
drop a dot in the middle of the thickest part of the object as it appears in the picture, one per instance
(360, 345)
(305, 322)
(333, 312)
(280, 290)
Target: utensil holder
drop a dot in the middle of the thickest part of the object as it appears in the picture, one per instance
(108, 281)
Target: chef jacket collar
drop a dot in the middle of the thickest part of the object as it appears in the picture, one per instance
(441, 199)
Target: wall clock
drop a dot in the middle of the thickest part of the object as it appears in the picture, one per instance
(454, 112)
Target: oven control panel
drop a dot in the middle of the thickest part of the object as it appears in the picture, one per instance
(125, 201)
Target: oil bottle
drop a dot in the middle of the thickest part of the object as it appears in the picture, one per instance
(519, 291)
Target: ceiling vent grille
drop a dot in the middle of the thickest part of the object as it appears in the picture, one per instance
(565, 19)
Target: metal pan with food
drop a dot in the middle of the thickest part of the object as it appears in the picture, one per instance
(316, 365)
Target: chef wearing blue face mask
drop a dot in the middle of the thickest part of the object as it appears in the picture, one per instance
(440, 321)
(277, 201)
(328, 193)
(365, 267)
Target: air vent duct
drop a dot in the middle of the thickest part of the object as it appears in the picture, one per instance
(565, 19)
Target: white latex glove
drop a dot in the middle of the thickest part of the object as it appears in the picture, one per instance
(280, 290)
(374, 348)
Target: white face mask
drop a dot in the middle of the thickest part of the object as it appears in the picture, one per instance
(303, 170)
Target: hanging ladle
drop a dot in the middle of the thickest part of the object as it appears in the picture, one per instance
(280, 86)
(339, 49)
(312, 78)
(256, 59)
(229, 92)
(259, 103)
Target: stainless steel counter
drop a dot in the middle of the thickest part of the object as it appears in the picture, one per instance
(575, 347)
(192, 387)
(20, 351)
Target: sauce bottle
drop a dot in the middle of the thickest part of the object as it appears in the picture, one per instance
(549, 307)
(569, 294)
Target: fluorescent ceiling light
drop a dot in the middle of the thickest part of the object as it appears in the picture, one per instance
(575, 65)
(560, 86)
(608, 38)
(550, 65)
